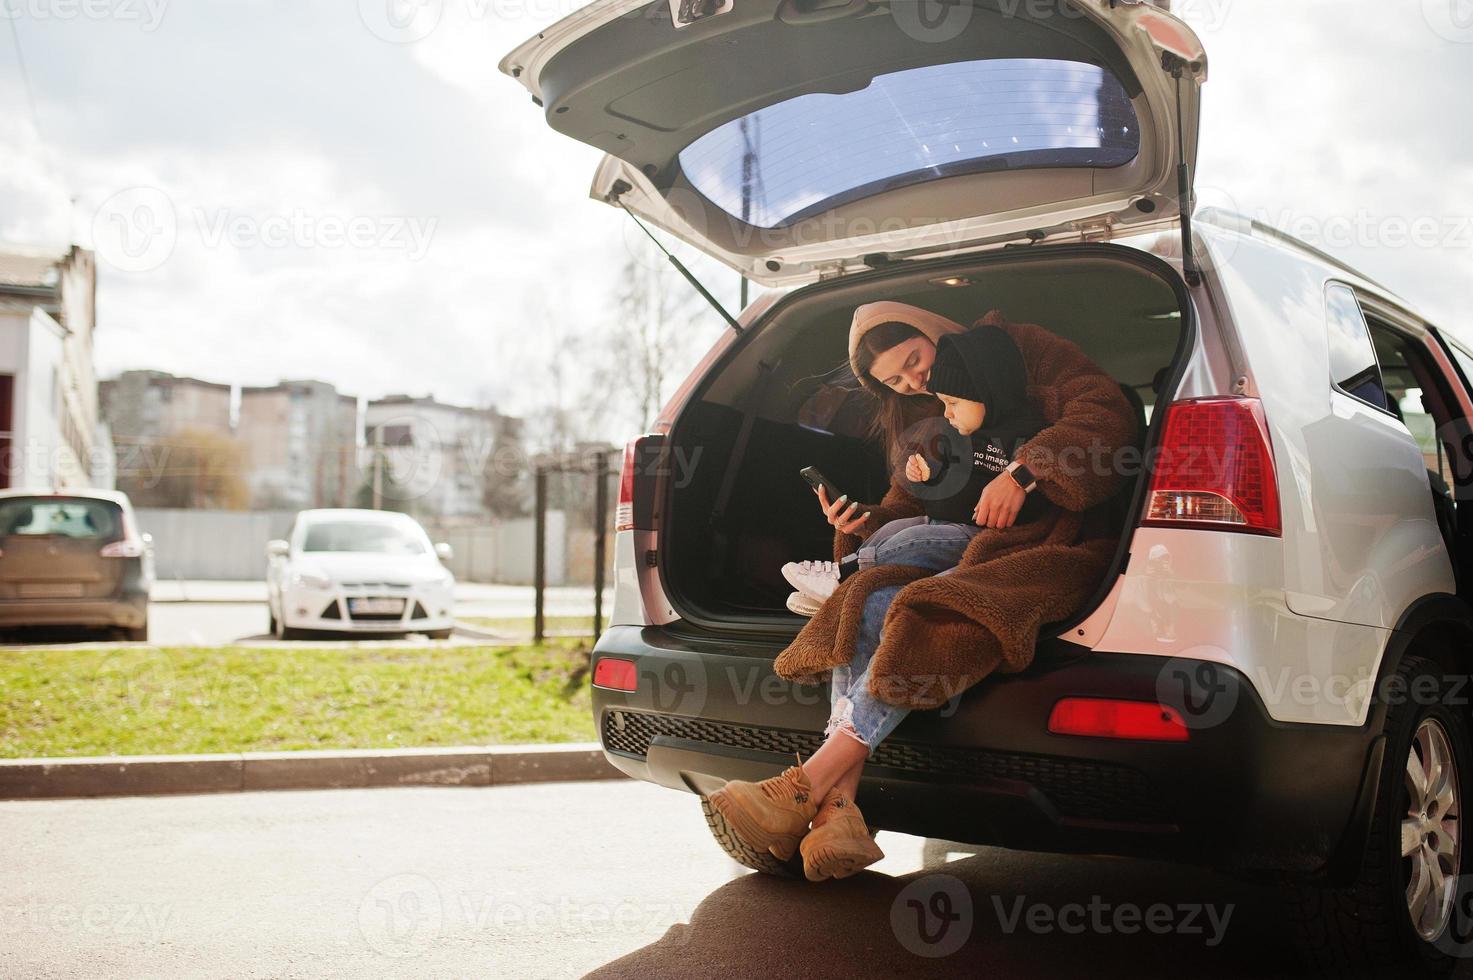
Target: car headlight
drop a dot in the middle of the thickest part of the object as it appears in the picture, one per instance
(311, 580)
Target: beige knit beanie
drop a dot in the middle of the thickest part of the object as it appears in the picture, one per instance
(870, 315)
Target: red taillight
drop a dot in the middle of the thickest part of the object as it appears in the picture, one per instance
(617, 674)
(637, 484)
(1106, 718)
(1215, 468)
(624, 512)
(126, 548)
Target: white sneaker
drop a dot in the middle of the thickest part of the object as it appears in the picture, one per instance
(802, 604)
(815, 579)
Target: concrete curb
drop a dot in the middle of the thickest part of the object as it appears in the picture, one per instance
(477, 633)
(153, 775)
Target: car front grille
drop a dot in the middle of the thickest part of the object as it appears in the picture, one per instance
(1077, 788)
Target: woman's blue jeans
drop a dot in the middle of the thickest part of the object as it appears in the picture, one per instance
(917, 541)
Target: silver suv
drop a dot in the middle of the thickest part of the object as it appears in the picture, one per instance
(1288, 601)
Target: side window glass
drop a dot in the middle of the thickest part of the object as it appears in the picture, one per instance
(1465, 363)
(1353, 367)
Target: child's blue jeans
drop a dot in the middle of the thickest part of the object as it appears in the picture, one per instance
(916, 541)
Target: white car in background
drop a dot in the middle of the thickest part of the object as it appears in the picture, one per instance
(358, 571)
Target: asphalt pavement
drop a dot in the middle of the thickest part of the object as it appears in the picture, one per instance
(601, 879)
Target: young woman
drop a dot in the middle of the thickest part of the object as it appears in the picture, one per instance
(892, 347)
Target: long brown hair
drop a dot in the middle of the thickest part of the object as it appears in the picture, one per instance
(896, 413)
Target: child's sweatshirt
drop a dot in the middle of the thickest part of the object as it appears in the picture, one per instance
(965, 466)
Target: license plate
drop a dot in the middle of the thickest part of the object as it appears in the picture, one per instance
(375, 606)
(51, 590)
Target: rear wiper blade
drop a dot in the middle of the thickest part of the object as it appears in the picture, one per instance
(617, 195)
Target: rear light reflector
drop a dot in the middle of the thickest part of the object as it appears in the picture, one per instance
(126, 548)
(614, 673)
(1215, 468)
(638, 483)
(1106, 718)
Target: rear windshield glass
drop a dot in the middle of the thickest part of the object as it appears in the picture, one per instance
(806, 155)
(73, 517)
(363, 536)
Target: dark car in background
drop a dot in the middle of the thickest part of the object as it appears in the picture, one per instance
(73, 558)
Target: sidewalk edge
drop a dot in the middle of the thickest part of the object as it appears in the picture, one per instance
(476, 765)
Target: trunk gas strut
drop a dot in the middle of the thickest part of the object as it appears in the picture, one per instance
(617, 194)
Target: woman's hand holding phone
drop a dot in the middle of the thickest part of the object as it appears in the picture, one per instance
(841, 513)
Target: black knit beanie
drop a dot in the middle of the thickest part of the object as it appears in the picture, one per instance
(981, 365)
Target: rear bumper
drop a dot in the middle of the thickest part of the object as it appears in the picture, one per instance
(125, 610)
(1244, 793)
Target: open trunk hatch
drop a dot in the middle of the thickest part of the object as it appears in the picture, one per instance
(794, 138)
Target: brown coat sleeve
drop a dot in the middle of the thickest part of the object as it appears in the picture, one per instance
(1075, 458)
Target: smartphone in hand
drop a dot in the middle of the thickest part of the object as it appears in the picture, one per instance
(816, 479)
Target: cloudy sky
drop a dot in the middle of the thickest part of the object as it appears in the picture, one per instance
(283, 188)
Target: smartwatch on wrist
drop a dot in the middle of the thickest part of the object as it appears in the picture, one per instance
(1022, 476)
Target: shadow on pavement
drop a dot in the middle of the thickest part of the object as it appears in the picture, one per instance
(973, 916)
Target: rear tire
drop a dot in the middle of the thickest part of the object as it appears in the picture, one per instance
(747, 856)
(1366, 929)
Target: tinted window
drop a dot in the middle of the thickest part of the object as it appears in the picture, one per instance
(816, 151)
(363, 536)
(1353, 366)
(67, 517)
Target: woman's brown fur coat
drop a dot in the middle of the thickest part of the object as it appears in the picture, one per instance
(942, 634)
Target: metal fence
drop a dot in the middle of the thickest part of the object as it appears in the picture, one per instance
(231, 545)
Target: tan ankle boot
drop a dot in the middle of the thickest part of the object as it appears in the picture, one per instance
(772, 815)
(839, 843)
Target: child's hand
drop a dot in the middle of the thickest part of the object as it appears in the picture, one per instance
(916, 470)
(1001, 500)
